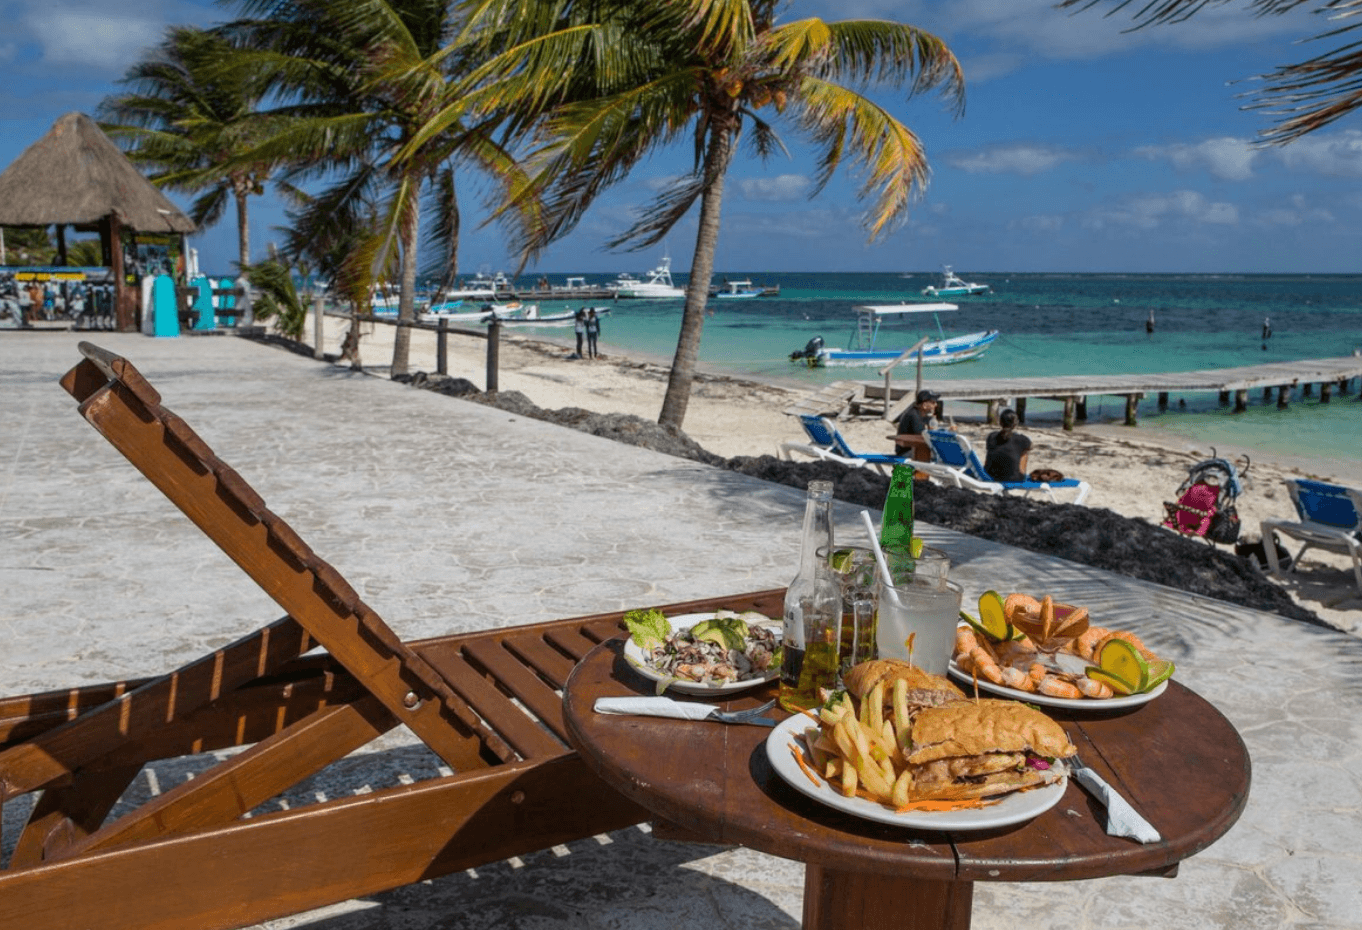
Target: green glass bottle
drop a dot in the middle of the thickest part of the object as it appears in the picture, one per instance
(896, 527)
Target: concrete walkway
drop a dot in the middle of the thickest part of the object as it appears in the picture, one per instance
(450, 516)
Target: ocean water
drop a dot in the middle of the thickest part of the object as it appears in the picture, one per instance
(1061, 324)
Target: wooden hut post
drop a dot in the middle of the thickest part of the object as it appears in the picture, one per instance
(125, 317)
(1132, 408)
(442, 347)
(493, 353)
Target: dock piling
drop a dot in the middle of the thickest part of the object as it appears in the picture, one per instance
(1283, 396)
(1021, 410)
(1224, 398)
(1069, 404)
(1132, 407)
(1163, 400)
(1240, 401)
(1082, 409)
(1325, 390)
(442, 347)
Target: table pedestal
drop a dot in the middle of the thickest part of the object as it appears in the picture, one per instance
(838, 900)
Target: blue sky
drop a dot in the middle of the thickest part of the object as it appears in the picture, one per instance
(1083, 147)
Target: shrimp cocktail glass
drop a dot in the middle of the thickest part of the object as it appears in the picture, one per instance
(1048, 625)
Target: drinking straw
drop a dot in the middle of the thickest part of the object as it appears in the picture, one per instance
(879, 557)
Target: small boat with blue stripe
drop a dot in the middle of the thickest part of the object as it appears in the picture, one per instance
(864, 347)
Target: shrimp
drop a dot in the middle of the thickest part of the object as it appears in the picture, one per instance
(1020, 604)
(1037, 672)
(1131, 638)
(1016, 678)
(1092, 688)
(1086, 645)
(975, 656)
(1054, 686)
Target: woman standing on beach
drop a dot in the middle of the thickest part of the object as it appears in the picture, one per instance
(579, 326)
(593, 332)
(1007, 450)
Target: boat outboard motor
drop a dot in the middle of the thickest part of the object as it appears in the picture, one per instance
(812, 349)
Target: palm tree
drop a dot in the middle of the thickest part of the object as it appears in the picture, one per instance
(190, 120)
(1307, 95)
(609, 82)
(357, 79)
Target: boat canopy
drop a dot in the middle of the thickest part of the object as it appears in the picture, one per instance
(887, 309)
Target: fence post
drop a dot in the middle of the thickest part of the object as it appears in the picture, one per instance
(493, 351)
(442, 347)
(318, 346)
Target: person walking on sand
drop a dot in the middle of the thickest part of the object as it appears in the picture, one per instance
(593, 332)
(1007, 450)
(579, 326)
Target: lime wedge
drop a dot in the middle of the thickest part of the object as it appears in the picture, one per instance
(1119, 685)
(1160, 670)
(840, 561)
(1118, 657)
(915, 547)
(991, 617)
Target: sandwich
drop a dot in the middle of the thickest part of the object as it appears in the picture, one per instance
(977, 749)
(924, 688)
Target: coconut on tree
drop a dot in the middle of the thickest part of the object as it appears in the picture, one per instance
(602, 85)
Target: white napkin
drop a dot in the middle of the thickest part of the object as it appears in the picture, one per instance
(1121, 817)
(653, 707)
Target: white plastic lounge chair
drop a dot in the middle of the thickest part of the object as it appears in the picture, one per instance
(826, 442)
(1331, 518)
(956, 462)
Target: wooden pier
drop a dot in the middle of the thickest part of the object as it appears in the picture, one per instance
(864, 398)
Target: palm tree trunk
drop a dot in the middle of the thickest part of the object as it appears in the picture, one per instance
(677, 398)
(406, 302)
(243, 229)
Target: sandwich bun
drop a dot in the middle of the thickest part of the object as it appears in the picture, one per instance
(972, 728)
(924, 688)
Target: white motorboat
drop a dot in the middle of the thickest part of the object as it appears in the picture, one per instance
(658, 285)
(953, 286)
(863, 350)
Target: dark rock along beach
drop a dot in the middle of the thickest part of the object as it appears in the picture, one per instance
(1088, 535)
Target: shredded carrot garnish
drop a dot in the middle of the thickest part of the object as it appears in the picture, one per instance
(964, 805)
(799, 757)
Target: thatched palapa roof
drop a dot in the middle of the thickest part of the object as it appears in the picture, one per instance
(76, 175)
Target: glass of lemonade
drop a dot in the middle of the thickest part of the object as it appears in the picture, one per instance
(922, 607)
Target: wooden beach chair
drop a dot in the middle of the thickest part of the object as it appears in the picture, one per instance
(219, 850)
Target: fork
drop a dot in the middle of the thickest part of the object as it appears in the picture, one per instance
(752, 715)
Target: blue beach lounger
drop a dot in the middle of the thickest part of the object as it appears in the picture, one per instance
(1331, 518)
(956, 462)
(827, 442)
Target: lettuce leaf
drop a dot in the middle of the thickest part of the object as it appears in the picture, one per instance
(647, 628)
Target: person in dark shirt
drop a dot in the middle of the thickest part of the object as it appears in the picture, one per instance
(1007, 450)
(918, 418)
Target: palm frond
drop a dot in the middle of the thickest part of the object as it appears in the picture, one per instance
(849, 125)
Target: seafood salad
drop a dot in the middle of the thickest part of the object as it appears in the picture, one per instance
(724, 649)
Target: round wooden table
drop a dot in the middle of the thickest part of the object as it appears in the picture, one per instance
(1176, 759)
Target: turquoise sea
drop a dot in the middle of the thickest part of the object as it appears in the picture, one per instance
(1062, 324)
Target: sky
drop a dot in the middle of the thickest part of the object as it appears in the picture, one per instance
(1084, 147)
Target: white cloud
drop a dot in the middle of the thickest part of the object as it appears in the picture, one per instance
(1337, 155)
(97, 36)
(1153, 210)
(1296, 212)
(781, 188)
(1227, 157)
(1025, 159)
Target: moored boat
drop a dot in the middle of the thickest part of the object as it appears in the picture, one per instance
(863, 349)
(953, 286)
(739, 290)
(657, 286)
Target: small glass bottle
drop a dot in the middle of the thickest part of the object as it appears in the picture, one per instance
(813, 611)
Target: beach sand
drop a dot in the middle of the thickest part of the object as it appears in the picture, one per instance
(1132, 470)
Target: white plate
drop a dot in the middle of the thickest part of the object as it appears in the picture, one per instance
(634, 655)
(1012, 809)
(1044, 700)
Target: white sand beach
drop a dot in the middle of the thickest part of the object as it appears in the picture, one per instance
(1132, 470)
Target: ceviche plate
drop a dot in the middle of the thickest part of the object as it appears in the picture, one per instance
(635, 656)
(1044, 700)
(1014, 808)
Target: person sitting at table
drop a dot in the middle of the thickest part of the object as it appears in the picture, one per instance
(1007, 450)
(917, 419)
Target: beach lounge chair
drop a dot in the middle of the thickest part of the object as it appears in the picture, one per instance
(1330, 518)
(241, 842)
(954, 461)
(827, 442)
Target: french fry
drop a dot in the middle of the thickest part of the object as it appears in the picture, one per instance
(849, 780)
(876, 704)
(899, 796)
(902, 723)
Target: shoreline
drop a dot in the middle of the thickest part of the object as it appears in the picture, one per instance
(1132, 470)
